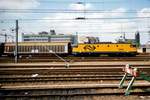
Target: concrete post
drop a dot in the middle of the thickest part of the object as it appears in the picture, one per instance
(122, 81)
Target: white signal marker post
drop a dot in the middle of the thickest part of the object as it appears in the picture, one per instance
(67, 63)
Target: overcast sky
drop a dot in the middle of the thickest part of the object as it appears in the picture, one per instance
(107, 19)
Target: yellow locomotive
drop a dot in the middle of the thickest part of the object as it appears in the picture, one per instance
(112, 49)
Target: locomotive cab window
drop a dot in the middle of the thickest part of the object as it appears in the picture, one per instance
(132, 45)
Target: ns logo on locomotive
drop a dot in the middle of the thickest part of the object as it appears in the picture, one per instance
(89, 48)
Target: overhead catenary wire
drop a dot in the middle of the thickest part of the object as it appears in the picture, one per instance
(114, 18)
(34, 11)
(65, 11)
(72, 1)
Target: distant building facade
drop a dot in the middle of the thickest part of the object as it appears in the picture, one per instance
(135, 41)
(49, 38)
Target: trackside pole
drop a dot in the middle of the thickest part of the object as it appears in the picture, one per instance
(122, 81)
(127, 92)
(134, 73)
(124, 77)
(16, 45)
(128, 70)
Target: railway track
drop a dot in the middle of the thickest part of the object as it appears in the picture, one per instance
(83, 59)
(24, 74)
(76, 92)
(79, 66)
(12, 75)
(55, 81)
(44, 58)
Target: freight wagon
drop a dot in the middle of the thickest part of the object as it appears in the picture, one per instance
(38, 48)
